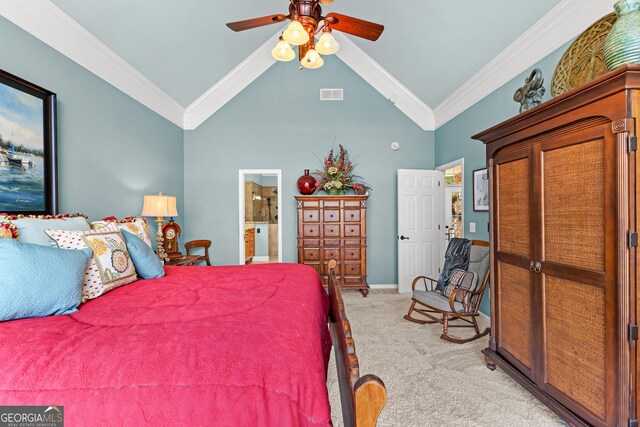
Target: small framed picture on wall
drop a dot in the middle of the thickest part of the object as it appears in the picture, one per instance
(480, 190)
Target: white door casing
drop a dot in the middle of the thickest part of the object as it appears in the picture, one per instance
(420, 219)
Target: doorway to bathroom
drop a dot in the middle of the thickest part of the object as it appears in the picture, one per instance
(260, 219)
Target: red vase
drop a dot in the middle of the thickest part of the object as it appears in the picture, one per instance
(306, 183)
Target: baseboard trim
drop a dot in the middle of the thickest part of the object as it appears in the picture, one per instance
(484, 315)
(261, 258)
(384, 286)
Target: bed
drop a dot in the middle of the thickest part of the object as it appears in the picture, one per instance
(227, 346)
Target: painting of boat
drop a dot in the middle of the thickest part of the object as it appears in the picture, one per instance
(27, 169)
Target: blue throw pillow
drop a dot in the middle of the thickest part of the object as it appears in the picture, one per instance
(147, 264)
(37, 281)
(32, 229)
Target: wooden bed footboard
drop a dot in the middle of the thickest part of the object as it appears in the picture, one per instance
(363, 397)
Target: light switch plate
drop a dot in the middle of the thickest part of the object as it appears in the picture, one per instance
(472, 227)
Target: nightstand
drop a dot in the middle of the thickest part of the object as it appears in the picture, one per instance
(185, 261)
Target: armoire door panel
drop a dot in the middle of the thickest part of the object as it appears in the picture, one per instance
(513, 194)
(514, 305)
(574, 205)
(575, 346)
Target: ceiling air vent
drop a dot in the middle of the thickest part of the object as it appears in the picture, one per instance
(331, 94)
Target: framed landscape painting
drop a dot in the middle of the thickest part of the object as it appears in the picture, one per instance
(28, 181)
(480, 190)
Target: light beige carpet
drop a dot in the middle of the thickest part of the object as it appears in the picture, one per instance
(430, 382)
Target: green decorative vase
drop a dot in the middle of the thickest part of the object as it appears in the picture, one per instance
(336, 192)
(622, 45)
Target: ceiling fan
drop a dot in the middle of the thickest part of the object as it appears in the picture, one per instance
(306, 17)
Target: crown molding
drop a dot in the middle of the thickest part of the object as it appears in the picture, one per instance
(230, 85)
(45, 21)
(564, 22)
(385, 83)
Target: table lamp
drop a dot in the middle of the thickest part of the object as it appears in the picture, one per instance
(160, 206)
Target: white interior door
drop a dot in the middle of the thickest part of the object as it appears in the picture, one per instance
(420, 220)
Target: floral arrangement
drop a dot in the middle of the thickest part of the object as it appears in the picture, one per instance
(337, 176)
(8, 231)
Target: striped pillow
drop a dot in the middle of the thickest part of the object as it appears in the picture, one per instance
(460, 279)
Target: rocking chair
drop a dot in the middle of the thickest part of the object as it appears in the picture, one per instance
(462, 304)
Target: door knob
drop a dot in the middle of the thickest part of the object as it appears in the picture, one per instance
(403, 238)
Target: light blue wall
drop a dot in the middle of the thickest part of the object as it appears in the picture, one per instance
(278, 122)
(111, 149)
(453, 140)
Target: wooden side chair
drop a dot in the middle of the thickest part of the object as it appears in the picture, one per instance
(462, 304)
(199, 244)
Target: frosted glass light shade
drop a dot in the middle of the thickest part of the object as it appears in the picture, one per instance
(327, 45)
(159, 206)
(283, 51)
(312, 60)
(295, 34)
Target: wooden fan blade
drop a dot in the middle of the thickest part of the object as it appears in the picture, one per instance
(248, 24)
(357, 27)
(325, 2)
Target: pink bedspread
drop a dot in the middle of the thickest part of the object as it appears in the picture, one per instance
(203, 346)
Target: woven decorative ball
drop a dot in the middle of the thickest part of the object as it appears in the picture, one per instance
(622, 45)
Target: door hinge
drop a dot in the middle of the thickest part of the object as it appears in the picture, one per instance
(438, 183)
(632, 143)
(438, 226)
(632, 239)
(633, 332)
(633, 423)
(438, 270)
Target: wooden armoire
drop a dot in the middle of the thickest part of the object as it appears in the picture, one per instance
(564, 278)
(334, 227)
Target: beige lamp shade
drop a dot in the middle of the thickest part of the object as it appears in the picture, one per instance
(312, 60)
(159, 206)
(327, 45)
(283, 52)
(295, 34)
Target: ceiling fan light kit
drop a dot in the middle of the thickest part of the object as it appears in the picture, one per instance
(306, 16)
(283, 51)
(327, 45)
(296, 34)
(312, 60)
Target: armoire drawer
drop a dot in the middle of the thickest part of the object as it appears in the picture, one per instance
(352, 269)
(311, 230)
(331, 215)
(352, 230)
(332, 230)
(311, 215)
(352, 215)
(311, 254)
(352, 253)
(332, 253)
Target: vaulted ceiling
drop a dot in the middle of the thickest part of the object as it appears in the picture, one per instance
(431, 47)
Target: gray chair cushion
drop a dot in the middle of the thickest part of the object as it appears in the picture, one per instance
(479, 261)
(436, 300)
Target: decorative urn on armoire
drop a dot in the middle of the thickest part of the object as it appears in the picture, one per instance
(306, 183)
(622, 45)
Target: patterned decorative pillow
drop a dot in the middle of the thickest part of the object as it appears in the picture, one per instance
(134, 225)
(460, 279)
(111, 264)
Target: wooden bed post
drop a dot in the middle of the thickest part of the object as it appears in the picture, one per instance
(363, 397)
